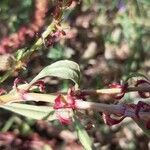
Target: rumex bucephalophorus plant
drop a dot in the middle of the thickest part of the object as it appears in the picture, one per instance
(64, 106)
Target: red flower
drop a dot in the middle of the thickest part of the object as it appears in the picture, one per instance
(62, 102)
(2, 91)
(130, 110)
(64, 115)
(65, 103)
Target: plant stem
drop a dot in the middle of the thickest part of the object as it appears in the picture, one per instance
(112, 91)
(119, 109)
(27, 55)
(46, 97)
(39, 42)
(107, 108)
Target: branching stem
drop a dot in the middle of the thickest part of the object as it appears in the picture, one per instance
(118, 109)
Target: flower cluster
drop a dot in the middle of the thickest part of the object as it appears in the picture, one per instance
(67, 103)
(128, 108)
(25, 33)
(124, 88)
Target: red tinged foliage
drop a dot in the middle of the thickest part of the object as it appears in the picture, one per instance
(111, 121)
(68, 104)
(143, 94)
(2, 91)
(140, 106)
(25, 33)
(62, 102)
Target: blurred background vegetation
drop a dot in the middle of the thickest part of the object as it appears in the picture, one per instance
(109, 40)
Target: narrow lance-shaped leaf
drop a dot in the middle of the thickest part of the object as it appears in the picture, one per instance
(82, 134)
(64, 69)
(31, 111)
(135, 75)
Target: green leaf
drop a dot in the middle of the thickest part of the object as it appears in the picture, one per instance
(132, 75)
(56, 52)
(19, 54)
(146, 2)
(82, 134)
(31, 111)
(5, 76)
(64, 69)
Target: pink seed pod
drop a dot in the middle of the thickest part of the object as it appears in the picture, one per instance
(40, 85)
(2, 91)
(16, 82)
(111, 121)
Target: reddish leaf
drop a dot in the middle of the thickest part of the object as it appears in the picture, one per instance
(143, 94)
(111, 121)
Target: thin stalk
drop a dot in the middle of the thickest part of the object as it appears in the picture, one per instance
(119, 109)
(39, 42)
(111, 91)
(47, 97)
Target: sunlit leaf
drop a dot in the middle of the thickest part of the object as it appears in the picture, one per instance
(82, 135)
(31, 111)
(64, 69)
(132, 75)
